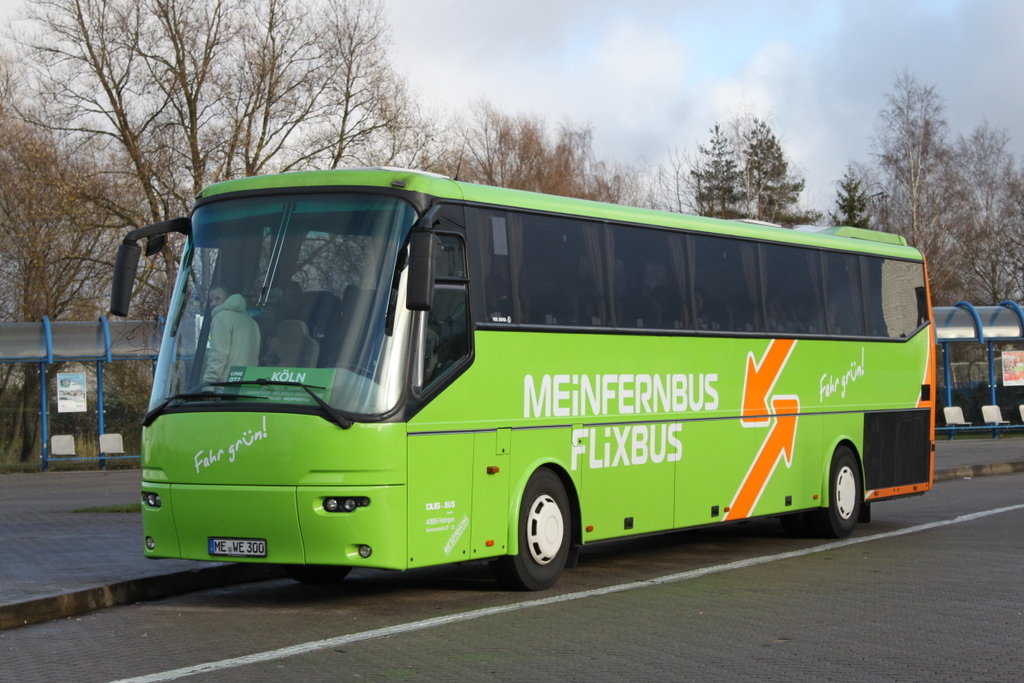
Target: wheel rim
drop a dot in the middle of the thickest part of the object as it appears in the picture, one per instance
(846, 492)
(544, 529)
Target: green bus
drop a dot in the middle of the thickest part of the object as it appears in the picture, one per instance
(392, 369)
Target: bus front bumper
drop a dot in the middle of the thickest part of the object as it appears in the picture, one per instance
(229, 523)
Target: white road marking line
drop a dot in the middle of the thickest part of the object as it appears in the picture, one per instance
(303, 648)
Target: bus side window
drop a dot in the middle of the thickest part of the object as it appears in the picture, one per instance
(559, 266)
(497, 281)
(728, 285)
(793, 290)
(650, 281)
(447, 333)
(893, 287)
(844, 303)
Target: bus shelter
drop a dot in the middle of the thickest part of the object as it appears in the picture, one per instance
(101, 342)
(987, 325)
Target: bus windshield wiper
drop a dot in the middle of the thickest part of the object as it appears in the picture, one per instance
(331, 414)
(207, 395)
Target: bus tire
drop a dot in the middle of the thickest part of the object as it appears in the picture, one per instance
(545, 533)
(317, 574)
(844, 497)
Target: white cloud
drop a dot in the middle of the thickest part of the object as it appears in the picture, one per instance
(651, 75)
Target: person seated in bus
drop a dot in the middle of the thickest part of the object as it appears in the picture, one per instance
(703, 322)
(550, 304)
(499, 299)
(234, 336)
(833, 322)
(807, 322)
(774, 321)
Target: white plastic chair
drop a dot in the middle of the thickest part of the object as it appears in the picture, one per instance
(955, 416)
(993, 415)
(111, 444)
(62, 444)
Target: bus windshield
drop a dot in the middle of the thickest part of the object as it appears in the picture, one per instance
(291, 290)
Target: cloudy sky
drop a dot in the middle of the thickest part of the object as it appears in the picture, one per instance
(652, 75)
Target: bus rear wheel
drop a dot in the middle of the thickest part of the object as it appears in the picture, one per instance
(545, 532)
(844, 497)
(317, 574)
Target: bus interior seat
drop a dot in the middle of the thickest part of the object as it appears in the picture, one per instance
(320, 310)
(355, 307)
(641, 311)
(553, 308)
(292, 346)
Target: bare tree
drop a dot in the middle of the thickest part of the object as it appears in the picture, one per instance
(518, 151)
(49, 238)
(914, 156)
(182, 93)
(992, 228)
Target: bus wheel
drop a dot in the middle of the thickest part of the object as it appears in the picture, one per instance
(545, 531)
(844, 497)
(317, 574)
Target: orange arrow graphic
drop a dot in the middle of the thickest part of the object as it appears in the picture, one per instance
(779, 444)
(759, 380)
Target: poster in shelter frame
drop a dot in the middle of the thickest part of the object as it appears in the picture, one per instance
(71, 392)
(1013, 368)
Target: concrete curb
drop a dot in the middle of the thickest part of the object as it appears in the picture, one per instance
(148, 588)
(155, 587)
(970, 471)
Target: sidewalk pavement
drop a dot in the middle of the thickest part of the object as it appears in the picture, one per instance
(55, 562)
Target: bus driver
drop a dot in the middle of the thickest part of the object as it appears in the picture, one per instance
(234, 336)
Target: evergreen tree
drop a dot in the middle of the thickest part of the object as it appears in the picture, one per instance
(716, 178)
(769, 190)
(851, 203)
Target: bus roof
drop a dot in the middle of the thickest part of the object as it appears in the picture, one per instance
(842, 237)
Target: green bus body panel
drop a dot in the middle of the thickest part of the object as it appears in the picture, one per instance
(638, 468)
(259, 448)
(159, 524)
(334, 538)
(440, 498)
(275, 469)
(263, 512)
(458, 501)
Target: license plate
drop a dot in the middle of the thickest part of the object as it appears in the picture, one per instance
(238, 547)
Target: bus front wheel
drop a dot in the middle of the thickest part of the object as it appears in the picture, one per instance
(545, 531)
(844, 497)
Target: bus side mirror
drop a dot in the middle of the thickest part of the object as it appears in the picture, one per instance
(420, 293)
(128, 253)
(125, 267)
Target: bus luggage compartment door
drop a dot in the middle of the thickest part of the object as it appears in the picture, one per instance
(440, 498)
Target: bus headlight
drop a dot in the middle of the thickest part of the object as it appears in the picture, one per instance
(338, 504)
(151, 499)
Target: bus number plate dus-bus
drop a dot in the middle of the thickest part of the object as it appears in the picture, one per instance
(238, 547)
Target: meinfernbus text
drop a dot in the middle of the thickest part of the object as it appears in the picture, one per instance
(391, 369)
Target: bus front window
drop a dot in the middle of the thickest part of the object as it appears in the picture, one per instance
(292, 288)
